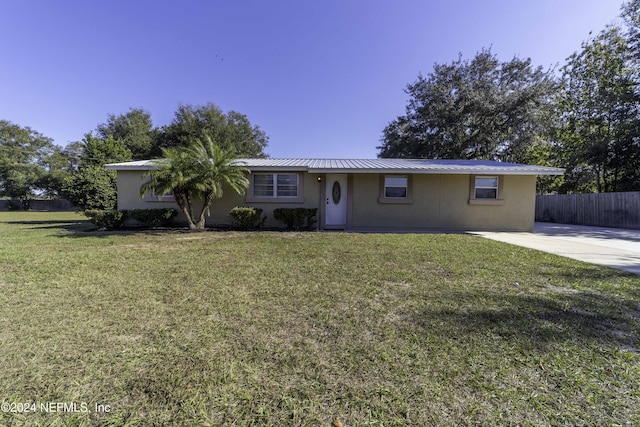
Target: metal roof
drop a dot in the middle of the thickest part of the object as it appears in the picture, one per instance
(414, 166)
(139, 165)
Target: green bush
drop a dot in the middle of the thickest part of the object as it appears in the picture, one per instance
(105, 218)
(296, 218)
(91, 188)
(247, 218)
(161, 217)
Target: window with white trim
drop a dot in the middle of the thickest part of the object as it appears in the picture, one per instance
(486, 187)
(275, 185)
(152, 196)
(395, 187)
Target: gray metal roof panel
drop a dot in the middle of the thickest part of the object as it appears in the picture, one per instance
(402, 166)
(137, 165)
(418, 166)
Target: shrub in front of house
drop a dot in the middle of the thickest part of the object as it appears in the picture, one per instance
(105, 218)
(162, 217)
(247, 218)
(296, 218)
(111, 218)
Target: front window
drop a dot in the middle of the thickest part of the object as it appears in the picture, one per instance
(395, 187)
(161, 197)
(486, 187)
(275, 185)
(263, 185)
(287, 185)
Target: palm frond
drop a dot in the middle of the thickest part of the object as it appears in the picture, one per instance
(202, 169)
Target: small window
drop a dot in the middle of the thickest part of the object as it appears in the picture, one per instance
(275, 185)
(263, 185)
(161, 197)
(486, 187)
(287, 185)
(395, 187)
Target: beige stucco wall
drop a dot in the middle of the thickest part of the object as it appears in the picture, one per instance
(129, 183)
(441, 202)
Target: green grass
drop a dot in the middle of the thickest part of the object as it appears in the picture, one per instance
(299, 329)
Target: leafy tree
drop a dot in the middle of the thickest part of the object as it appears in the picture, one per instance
(200, 172)
(231, 131)
(72, 154)
(92, 186)
(631, 17)
(134, 129)
(57, 169)
(478, 109)
(23, 154)
(598, 107)
(542, 152)
(98, 151)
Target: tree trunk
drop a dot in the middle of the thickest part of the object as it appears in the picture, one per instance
(206, 200)
(184, 203)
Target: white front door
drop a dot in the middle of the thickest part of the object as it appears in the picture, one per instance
(336, 201)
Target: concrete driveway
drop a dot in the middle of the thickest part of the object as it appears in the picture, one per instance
(614, 247)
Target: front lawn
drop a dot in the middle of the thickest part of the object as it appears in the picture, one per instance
(275, 329)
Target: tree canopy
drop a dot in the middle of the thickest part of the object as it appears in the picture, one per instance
(134, 129)
(598, 109)
(477, 109)
(231, 131)
(24, 160)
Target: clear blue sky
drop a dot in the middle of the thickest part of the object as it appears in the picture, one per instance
(321, 78)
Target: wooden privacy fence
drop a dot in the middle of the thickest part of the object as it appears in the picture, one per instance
(39, 205)
(621, 210)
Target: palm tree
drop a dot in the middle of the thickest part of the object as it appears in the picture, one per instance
(214, 168)
(199, 171)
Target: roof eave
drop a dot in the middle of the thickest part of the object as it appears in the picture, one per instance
(442, 171)
(278, 168)
(129, 168)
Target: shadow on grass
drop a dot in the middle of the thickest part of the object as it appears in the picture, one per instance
(46, 222)
(536, 322)
(73, 226)
(591, 272)
(92, 231)
(85, 228)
